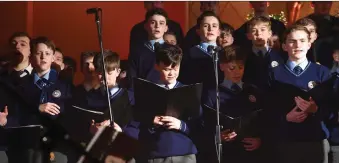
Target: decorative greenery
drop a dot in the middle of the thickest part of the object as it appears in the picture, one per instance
(281, 16)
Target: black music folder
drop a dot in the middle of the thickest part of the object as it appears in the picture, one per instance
(152, 100)
(243, 125)
(285, 93)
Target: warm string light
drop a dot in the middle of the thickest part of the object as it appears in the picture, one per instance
(281, 16)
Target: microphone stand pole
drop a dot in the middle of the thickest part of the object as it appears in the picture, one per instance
(218, 127)
(98, 22)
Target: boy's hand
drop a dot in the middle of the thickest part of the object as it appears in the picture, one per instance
(170, 122)
(157, 120)
(49, 108)
(3, 117)
(296, 116)
(228, 136)
(95, 126)
(251, 144)
(306, 106)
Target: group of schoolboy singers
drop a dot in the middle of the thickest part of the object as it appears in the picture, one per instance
(33, 95)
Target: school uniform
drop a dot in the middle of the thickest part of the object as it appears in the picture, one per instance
(168, 146)
(50, 89)
(139, 35)
(241, 39)
(235, 103)
(300, 142)
(141, 63)
(10, 79)
(197, 66)
(259, 65)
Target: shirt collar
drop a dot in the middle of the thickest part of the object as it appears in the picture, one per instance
(114, 90)
(36, 77)
(152, 42)
(257, 49)
(204, 45)
(291, 64)
(170, 86)
(26, 71)
(228, 84)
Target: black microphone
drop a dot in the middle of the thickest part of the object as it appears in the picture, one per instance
(210, 49)
(93, 10)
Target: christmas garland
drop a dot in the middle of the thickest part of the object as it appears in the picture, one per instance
(281, 16)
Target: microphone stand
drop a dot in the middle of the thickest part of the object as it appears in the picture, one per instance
(218, 143)
(98, 22)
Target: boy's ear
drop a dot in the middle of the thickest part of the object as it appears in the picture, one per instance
(166, 28)
(249, 36)
(118, 70)
(222, 66)
(145, 26)
(198, 31)
(156, 67)
(53, 58)
(270, 33)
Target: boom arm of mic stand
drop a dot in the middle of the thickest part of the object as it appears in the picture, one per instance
(218, 127)
(98, 22)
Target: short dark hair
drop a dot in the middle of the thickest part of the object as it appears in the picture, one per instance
(206, 14)
(84, 56)
(306, 22)
(256, 20)
(170, 33)
(42, 40)
(296, 28)
(111, 61)
(232, 53)
(227, 28)
(70, 62)
(57, 49)
(18, 34)
(156, 11)
(168, 54)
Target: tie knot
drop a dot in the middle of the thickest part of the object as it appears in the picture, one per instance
(167, 86)
(297, 70)
(235, 87)
(42, 82)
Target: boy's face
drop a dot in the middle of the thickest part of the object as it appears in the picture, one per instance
(111, 77)
(208, 6)
(225, 39)
(322, 8)
(259, 34)
(170, 39)
(156, 27)
(168, 74)
(233, 71)
(259, 6)
(209, 29)
(22, 45)
(297, 44)
(43, 57)
(313, 32)
(152, 5)
(58, 58)
(88, 67)
(336, 55)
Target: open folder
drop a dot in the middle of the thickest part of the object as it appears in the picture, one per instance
(320, 92)
(152, 100)
(243, 125)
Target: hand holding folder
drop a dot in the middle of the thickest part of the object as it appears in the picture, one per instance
(240, 125)
(153, 100)
(285, 94)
